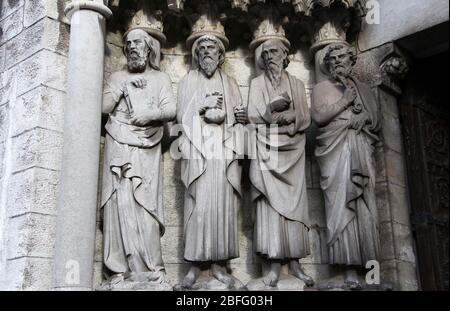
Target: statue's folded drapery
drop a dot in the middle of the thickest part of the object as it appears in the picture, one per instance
(277, 173)
(133, 176)
(347, 168)
(210, 170)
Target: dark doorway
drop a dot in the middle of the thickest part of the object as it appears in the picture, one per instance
(424, 115)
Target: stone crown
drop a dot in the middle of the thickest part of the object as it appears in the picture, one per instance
(207, 26)
(152, 24)
(268, 30)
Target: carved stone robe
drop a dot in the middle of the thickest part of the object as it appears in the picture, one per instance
(279, 184)
(132, 185)
(210, 170)
(348, 174)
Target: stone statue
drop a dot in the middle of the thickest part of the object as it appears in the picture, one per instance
(347, 114)
(138, 100)
(278, 100)
(210, 109)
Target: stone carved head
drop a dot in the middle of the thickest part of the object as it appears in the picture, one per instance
(208, 53)
(338, 61)
(141, 48)
(274, 59)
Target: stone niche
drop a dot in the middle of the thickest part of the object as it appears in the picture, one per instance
(304, 22)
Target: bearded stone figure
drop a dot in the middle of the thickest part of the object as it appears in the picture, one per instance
(210, 110)
(278, 108)
(347, 114)
(138, 101)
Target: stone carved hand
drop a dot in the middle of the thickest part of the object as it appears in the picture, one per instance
(285, 118)
(349, 95)
(240, 114)
(280, 103)
(358, 122)
(213, 101)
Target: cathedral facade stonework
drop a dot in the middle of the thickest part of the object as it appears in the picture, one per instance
(69, 169)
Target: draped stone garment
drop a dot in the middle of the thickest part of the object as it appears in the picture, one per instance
(133, 175)
(279, 186)
(210, 170)
(347, 174)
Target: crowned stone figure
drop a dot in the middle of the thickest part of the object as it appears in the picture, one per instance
(347, 115)
(279, 110)
(210, 111)
(138, 100)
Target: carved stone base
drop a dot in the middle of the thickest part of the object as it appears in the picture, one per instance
(119, 283)
(286, 283)
(211, 283)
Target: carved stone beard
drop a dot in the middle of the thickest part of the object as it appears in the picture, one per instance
(137, 61)
(209, 65)
(274, 72)
(340, 73)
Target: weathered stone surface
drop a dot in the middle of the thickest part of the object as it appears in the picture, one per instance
(388, 104)
(399, 204)
(11, 26)
(172, 245)
(176, 272)
(37, 9)
(407, 276)
(7, 85)
(245, 271)
(380, 164)
(8, 7)
(239, 69)
(38, 147)
(115, 59)
(246, 254)
(34, 190)
(176, 66)
(173, 205)
(315, 173)
(4, 122)
(383, 202)
(395, 168)
(41, 107)
(43, 68)
(31, 235)
(403, 243)
(2, 57)
(286, 283)
(98, 244)
(392, 133)
(30, 274)
(394, 25)
(387, 250)
(316, 208)
(301, 71)
(46, 33)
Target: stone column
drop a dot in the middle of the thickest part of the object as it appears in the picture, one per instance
(75, 236)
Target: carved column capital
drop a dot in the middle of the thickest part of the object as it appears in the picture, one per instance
(93, 5)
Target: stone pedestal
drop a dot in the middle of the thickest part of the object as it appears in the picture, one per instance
(286, 283)
(74, 252)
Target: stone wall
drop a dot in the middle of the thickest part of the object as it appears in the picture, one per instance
(33, 47)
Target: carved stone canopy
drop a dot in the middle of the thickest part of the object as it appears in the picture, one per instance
(305, 7)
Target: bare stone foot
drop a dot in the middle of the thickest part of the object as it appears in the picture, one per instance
(191, 277)
(298, 272)
(352, 281)
(220, 274)
(271, 279)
